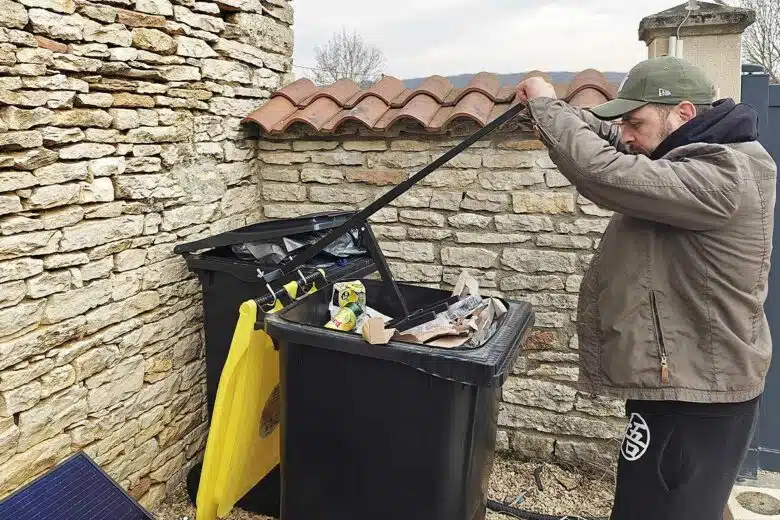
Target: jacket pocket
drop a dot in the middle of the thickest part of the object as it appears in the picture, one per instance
(663, 355)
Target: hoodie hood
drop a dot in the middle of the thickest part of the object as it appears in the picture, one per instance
(726, 123)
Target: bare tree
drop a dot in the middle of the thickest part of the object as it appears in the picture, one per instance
(761, 41)
(347, 56)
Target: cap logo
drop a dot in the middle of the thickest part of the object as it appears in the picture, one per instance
(662, 92)
(622, 83)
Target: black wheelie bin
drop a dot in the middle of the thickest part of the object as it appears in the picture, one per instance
(390, 432)
(230, 267)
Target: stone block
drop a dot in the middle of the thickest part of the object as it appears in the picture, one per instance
(555, 179)
(318, 175)
(158, 7)
(479, 201)
(539, 394)
(376, 177)
(11, 293)
(56, 136)
(10, 204)
(583, 226)
(409, 145)
(421, 218)
(414, 198)
(36, 243)
(29, 463)
(600, 406)
(58, 379)
(409, 251)
(556, 372)
(143, 164)
(468, 257)
(523, 223)
(522, 282)
(51, 416)
(397, 159)
(136, 19)
(420, 273)
(508, 180)
(528, 446)
(57, 26)
(136, 187)
(564, 241)
(153, 40)
(198, 21)
(467, 237)
(90, 234)
(446, 178)
(82, 117)
(20, 140)
(534, 261)
(592, 457)
(342, 194)
(384, 216)
(19, 269)
(287, 192)
(194, 48)
(12, 15)
(48, 283)
(446, 200)
(543, 202)
(469, 220)
(100, 13)
(19, 399)
(115, 34)
(22, 375)
(9, 435)
(52, 196)
(20, 119)
(553, 423)
(61, 172)
(363, 146)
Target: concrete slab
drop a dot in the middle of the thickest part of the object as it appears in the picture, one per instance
(753, 503)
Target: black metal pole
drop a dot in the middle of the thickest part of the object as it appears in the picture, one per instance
(363, 215)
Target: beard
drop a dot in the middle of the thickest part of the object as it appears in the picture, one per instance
(666, 131)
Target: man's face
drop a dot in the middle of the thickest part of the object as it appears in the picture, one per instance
(644, 129)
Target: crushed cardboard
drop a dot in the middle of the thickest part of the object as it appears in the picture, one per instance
(469, 321)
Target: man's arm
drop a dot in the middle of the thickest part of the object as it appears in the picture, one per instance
(691, 194)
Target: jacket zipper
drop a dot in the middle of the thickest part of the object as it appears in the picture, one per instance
(661, 344)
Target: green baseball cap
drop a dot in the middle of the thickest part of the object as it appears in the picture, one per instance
(666, 80)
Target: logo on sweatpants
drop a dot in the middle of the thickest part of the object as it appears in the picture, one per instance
(637, 438)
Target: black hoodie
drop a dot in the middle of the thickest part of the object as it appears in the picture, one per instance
(726, 123)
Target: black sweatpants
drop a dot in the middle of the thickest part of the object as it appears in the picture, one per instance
(679, 461)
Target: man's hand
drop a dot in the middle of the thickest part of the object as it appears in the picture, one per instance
(533, 88)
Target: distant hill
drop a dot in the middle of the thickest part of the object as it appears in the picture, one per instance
(461, 80)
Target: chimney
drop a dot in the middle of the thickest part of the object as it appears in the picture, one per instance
(706, 34)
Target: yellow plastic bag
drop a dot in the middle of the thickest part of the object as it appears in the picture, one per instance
(243, 441)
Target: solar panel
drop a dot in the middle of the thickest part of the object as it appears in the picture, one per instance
(77, 489)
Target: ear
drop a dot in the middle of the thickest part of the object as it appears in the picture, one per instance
(687, 111)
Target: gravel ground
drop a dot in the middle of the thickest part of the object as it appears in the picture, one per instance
(564, 493)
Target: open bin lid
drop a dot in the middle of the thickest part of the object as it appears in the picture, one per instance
(486, 366)
(268, 231)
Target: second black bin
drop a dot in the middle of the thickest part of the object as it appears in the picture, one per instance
(391, 432)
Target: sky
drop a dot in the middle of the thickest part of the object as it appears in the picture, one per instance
(447, 37)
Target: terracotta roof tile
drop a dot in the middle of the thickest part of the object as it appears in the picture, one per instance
(315, 115)
(368, 112)
(385, 89)
(436, 86)
(298, 91)
(434, 105)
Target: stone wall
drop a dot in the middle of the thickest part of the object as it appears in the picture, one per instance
(504, 212)
(119, 137)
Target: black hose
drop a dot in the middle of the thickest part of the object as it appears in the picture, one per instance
(498, 507)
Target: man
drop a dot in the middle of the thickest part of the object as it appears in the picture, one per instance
(671, 309)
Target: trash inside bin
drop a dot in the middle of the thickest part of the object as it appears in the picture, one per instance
(395, 431)
(230, 267)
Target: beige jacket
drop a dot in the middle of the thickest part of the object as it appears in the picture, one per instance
(671, 307)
